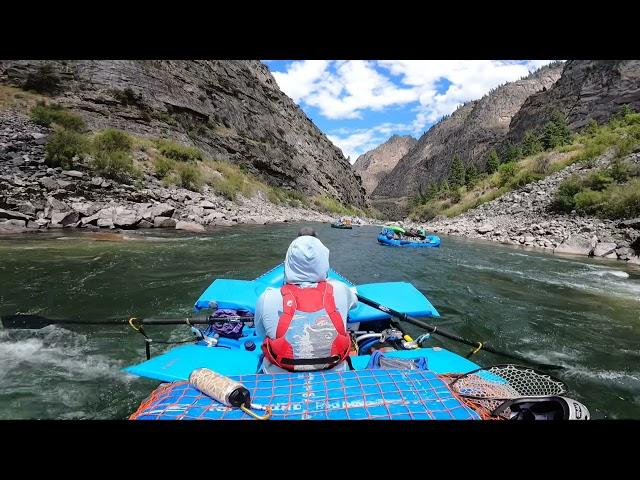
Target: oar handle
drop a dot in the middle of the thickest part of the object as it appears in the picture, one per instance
(38, 321)
(435, 330)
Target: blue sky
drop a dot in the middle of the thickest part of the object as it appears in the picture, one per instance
(359, 104)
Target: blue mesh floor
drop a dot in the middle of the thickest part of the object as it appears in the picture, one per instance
(350, 395)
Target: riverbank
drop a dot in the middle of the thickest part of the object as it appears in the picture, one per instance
(35, 197)
(522, 217)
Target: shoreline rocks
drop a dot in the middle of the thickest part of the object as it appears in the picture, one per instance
(34, 197)
(522, 218)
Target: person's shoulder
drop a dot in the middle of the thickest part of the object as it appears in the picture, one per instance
(270, 292)
(337, 284)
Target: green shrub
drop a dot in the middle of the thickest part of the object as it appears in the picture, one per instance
(506, 172)
(114, 164)
(180, 153)
(230, 180)
(424, 213)
(564, 200)
(330, 205)
(455, 196)
(112, 140)
(591, 128)
(541, 165)
(163, 166)
(63, 146)
(275, 197)
(189, 176)
(597, 181)
(588, 201)
(623, 200)
(49, 114)
(626, 145)
(523, 178)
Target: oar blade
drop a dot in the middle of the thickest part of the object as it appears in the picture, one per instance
(25, 321)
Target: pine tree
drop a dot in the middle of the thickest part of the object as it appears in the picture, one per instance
(457, 174)
(531, 144)
(556, 132)
(493, 161)
(471, 176)
(513, 153)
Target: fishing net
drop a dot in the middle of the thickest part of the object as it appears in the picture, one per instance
(488, 388)
(380, 394)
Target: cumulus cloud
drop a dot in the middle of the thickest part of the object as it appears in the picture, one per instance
(353, 86)
(347, 89)
(354, 143)
(467, 79)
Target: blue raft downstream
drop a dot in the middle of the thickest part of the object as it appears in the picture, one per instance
(386, 237)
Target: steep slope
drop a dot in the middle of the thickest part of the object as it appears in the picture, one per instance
(232, 110)
(587, 89)
(375, 164)
(469, 132)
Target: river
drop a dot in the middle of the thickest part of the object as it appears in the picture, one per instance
(579, 313)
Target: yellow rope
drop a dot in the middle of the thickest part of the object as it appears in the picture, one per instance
(255, 415)
(477, 349)
(131, 320)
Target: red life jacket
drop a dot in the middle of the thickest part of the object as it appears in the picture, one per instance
(310, 333)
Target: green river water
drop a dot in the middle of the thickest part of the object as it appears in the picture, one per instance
(579, 313)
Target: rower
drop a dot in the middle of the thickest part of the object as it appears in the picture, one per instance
(304, 321)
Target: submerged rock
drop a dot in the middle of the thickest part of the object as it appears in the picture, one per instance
(189, 226)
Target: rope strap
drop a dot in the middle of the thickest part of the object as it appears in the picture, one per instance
(267, 416)
(475, 350)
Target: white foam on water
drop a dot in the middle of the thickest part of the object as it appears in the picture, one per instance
(609, 375)
(592, 279)
(58, 353)
(614, 273)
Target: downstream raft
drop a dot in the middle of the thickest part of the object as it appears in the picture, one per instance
(386, 237)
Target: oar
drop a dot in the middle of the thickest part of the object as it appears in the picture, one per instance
(38, 321)
(437, 331)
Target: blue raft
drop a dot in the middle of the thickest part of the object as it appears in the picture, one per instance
(364, 392)
(430, 241)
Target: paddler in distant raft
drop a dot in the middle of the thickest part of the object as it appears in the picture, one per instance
(419, 233)
(304, 321)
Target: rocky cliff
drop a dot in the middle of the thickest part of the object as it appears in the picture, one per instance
(35, 198)
(469, 132)
(375, 164)
(232, 110)
(587, 89)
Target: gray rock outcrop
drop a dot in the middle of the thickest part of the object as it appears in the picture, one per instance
(470, 132)
(374, 165)
(231, 109)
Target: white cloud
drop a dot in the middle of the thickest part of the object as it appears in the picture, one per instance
(470, 80)
(354, 143)
(301, 78)
(346, 89)
(355, 85)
